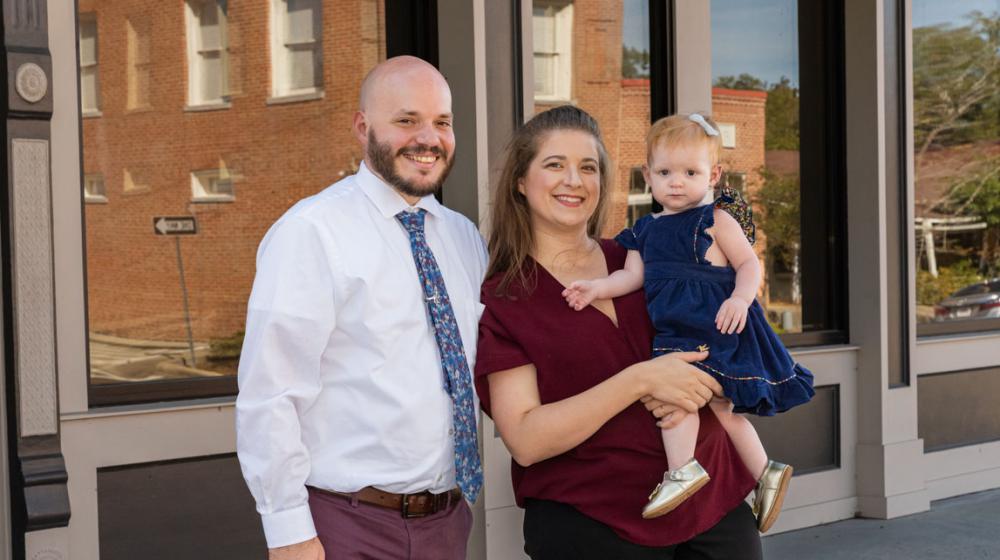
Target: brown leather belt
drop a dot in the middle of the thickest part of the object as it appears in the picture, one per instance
(409, 505)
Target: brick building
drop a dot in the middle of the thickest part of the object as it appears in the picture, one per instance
(154, 144)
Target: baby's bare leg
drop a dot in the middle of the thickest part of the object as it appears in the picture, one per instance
(743, 435)
(679, 441)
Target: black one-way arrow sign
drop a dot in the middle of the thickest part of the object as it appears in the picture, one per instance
(175, 225)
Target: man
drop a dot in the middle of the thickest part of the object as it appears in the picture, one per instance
(356, 418)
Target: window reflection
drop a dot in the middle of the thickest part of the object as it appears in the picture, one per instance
(595, 54)
(956, 144)
(755, 100)
(195, 119)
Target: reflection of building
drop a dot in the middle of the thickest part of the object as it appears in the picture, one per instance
(232, 125)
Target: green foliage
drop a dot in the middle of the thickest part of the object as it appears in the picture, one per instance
(782, 117)
(778, 214)
(978, 194)
(956, 76)
(932, 290)
(743, 81)
(226, 348)
(635, 63)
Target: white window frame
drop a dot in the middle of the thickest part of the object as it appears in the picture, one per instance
(94, 190)
(562, 67)
(196, 54)
(728, 133)
(281, 49)
(201, 181)
(89, 66)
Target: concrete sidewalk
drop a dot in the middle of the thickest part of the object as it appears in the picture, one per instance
(966, 527)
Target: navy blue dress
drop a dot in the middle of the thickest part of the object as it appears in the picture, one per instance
(684, 293)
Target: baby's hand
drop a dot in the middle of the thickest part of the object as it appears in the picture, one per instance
(732, 316)
(579, 294)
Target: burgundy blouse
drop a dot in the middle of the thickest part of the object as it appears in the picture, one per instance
(609, 476)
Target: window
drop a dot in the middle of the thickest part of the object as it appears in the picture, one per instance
(956, 160)
(610, 73)
(90, 103)
(728, 133)
(213, 185)
(773, 63)
(208, 60)
(135, 181)
(93, 189)
(296, 47)
(139, 59)
(552, 34)
(640, 200)
(166, 312)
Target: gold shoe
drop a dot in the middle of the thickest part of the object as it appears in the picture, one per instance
(770, 494)
(677, 486)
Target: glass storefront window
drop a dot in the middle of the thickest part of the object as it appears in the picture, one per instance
(755, 95)
(956, 153)
(595, 54)
(192, 158)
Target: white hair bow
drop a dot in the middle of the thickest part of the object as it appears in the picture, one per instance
(704, 124)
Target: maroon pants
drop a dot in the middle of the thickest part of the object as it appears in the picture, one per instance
(356, 530)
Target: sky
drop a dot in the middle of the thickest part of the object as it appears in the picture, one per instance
(760, 37)
(932, 12)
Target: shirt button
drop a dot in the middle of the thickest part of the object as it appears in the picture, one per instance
(451, 431)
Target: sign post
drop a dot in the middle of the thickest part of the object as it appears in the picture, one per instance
(176, 226)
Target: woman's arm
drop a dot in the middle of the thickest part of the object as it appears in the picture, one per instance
(533, 431)
(626, 280)
(729, 236)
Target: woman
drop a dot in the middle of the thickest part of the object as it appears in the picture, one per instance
(563, 387)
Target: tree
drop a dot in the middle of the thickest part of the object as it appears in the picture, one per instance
(779, 217)
(743, 81)
(955, 82)
(782, 116)
(978, 195)
(635, 63)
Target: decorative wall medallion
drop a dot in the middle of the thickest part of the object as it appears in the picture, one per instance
(31, 82)
(47, 554)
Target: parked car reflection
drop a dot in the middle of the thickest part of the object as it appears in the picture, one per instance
(977, 301)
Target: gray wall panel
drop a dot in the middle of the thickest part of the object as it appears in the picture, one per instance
(958, 408)
(197, 508)
(806, 437)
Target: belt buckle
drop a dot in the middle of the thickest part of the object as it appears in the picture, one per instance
(406, 508)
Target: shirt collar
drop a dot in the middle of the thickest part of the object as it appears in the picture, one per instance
(387, 200)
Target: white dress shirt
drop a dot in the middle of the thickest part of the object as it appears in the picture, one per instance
(341, 386)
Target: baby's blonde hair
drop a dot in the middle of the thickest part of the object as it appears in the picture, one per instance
(680, 130)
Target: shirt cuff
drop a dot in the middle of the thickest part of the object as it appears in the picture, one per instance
(290, 526)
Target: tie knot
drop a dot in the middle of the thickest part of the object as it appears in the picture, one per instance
(413, 222)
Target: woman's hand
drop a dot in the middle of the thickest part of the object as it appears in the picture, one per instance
(732, 315)
(672, 380)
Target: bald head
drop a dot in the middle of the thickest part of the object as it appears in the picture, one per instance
(404, 124)
(399, 74)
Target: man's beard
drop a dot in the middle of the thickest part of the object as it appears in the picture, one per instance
(384, 164)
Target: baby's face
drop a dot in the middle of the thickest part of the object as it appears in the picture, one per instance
(681, 177)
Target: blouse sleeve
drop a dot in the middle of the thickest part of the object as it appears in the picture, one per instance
(629, 237)
(497, 351)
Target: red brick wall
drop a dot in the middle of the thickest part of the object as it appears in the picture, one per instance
(277, 154)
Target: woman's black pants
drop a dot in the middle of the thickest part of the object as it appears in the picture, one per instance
(556, 531)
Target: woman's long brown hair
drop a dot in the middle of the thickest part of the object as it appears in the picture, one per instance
(511, 237)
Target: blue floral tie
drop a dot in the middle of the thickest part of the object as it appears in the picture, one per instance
(457, 377)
